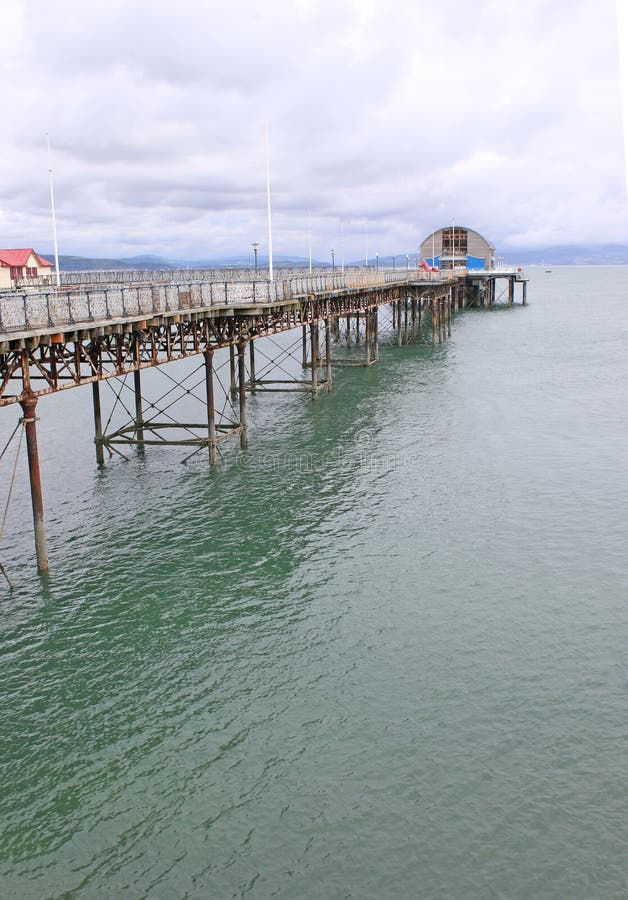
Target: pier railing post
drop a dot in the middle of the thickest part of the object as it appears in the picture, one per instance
(29, 404)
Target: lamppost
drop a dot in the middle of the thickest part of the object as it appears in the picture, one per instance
(255, 245)
(377, 262)
(407, 262)
(393, 263)
(333, 260)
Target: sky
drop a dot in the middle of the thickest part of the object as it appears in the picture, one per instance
(394, 117)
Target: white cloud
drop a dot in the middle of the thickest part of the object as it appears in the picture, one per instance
(504, 117)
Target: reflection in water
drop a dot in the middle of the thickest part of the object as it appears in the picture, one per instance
(381, 649)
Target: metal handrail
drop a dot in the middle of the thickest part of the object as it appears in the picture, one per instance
(90, 305)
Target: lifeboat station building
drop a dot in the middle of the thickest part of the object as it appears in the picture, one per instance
(22, 267)
(458, 246)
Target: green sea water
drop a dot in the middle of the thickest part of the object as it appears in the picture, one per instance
(381, 654)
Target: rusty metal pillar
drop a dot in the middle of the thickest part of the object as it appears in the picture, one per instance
(304, 346)
(367, 337)
(524, 293)
(393, 307)
(328, 376)
(244, 441)
(405, 320)
(139, 415)
(433, 310)
(100, 452)
(413, 317)
(348, 330)
(29, 404)
(511, 290)
(376, 333)
(252, 365)
(449, 305)
(211, 406)
(357, 327)
(233, 382)
(314, 357)
(399, 324)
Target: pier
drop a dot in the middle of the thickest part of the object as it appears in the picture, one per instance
(103, 328)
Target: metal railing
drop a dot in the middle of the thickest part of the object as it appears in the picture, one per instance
(81, 306)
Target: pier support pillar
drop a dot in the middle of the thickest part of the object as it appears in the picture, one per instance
(252, 365)
(524, 293)
(511, 290)
(139, 415)
(376, 333)
(232, 371)
(211, 406)
(367, 337)
(100, 452)
(244, 441)
(29, 404)
(304, 346)
(328, 376)
(348, 331)
(314, 357)
(449, 305)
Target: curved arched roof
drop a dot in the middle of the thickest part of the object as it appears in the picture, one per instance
(463, 228)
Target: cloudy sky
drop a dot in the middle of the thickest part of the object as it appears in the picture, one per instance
(505, 117)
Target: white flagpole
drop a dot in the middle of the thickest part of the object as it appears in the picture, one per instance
(270, 227)
(342, 248)
(52, 208)
(309, 238)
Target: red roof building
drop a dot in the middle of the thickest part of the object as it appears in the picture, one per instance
(22, 267)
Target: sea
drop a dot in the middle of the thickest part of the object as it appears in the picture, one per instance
(381, 653)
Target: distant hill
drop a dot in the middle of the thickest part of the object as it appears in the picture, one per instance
(604, 254)
(589, 255)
